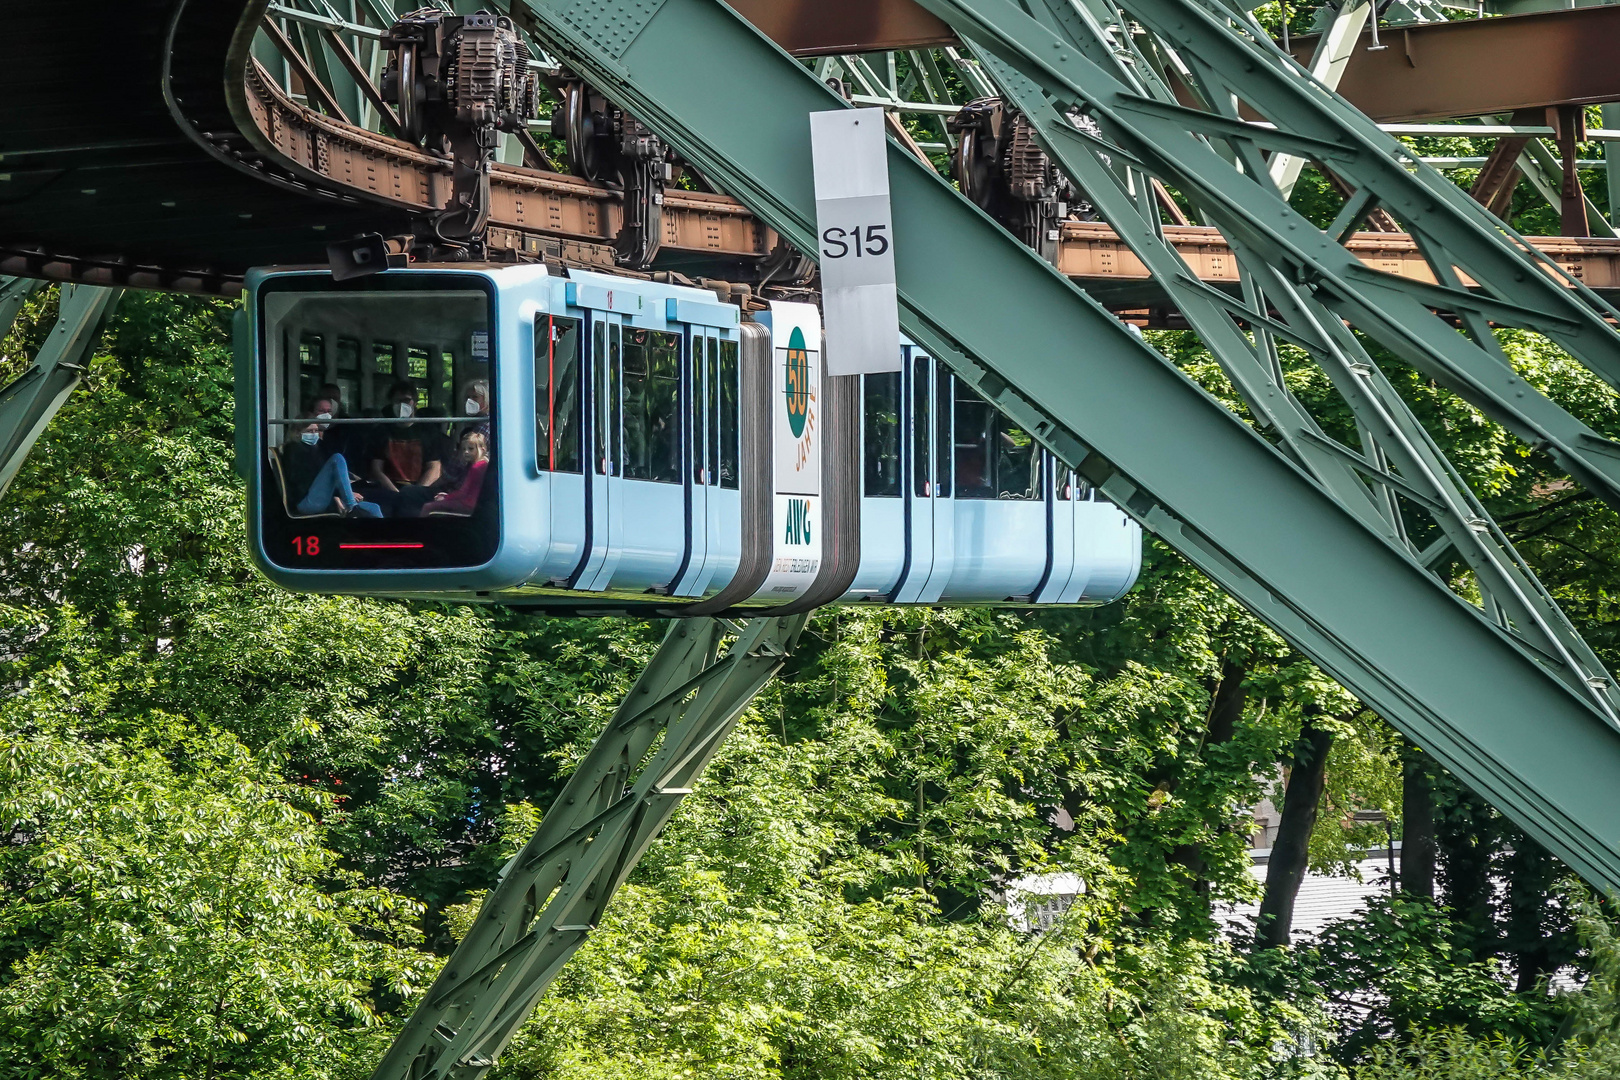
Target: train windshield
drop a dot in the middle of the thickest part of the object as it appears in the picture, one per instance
(379, 430)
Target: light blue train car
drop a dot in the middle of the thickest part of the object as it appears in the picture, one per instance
(595, 444)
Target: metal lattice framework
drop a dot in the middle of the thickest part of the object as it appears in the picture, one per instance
(1324, 565)
(553, 892)
(1346, 546)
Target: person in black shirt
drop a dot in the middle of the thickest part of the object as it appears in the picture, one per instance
(407, 459)
(322, 476)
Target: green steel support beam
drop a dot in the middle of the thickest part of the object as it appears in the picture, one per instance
(29, 401)
(1360, 605)
(1328, 65)
(553, 892)
(1395, 455)
(1546, 173)
(1516, 285)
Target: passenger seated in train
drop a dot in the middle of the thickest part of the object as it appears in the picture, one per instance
(308, 466)
(473, 458)
(338, 438)
(475, 402)
(407, 458)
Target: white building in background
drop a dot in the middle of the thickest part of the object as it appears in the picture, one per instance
(1039, 901)
(1322, 898)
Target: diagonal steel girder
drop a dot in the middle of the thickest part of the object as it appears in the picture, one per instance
(1516, 286)
(28, 402)
(1397, 456)
(552, 893)
(1362, 607)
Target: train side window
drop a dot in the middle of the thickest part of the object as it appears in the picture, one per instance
(921, 398)
(556, 383)
(311, 367)
(730, 416)
(1018, 461)
(382, 357)
(697, 411)
(881, 420)
(602, 426)
(994, 458)
(652, 418)
(943, 463)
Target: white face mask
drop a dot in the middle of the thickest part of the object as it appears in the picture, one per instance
(472, 407)
(323, 416)
(404, 410)
(311, 438)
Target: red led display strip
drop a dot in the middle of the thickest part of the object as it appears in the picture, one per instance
(379, 547)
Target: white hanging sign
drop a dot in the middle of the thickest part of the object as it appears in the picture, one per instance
(855, 241)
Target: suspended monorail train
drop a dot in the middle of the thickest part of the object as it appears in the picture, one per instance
(600, 444)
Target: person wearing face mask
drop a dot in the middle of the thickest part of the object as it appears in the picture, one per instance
(321, 474)
(406, 457)
(336, 439)
(475, 402)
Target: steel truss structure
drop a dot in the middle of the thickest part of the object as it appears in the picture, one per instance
(1324, 540)
(554, 891)
(1304, 540)
(1355, 548)
(28, 402)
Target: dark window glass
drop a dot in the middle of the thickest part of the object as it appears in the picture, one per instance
(602, 412)
(652, 405)
(943, 381)
(311, 367)
(348, 492)
(921, 398)
(882, 434)
(730, 416)
(697, 412)
(416, 363)
(348, 354)
(994, 458)
(556, 381)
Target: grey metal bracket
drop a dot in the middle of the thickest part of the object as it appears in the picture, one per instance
(553, 892)
(29, 401)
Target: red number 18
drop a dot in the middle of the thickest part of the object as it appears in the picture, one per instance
(307, 545)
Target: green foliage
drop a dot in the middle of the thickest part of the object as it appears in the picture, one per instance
(1588, 1046)
(239, 827)
(744, 949)
(1396, 967)
(166, 905)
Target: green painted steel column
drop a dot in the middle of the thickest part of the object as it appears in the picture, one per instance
(28, 402)
(553, 892)
(1062, 366)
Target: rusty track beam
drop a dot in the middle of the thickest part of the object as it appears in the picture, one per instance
(1429, 72)
(1091, 254)
(822, 27)
(1481, 66)
(523, 201)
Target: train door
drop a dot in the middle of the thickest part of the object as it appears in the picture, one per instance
(930, 508)
(560, 458)
(714, 503)
(652, 527)
(604, 511)
(1062, 541)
